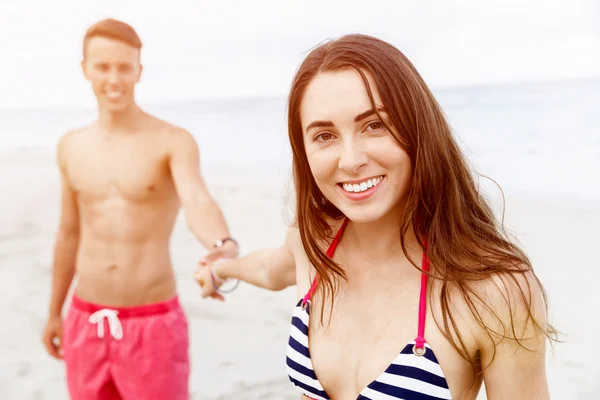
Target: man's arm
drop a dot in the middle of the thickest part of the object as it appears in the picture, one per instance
(65, 253)
(67, 240)
(515, 371)
(204, 217)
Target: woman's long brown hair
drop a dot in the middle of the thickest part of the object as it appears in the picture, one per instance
(465, 243)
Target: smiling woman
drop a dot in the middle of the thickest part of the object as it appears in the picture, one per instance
(426, 295)
(348, 144)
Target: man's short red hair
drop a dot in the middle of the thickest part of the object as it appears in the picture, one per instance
(113, 29)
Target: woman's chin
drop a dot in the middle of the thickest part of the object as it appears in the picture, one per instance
(363, 214)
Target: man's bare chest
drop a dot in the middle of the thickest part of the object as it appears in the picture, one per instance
(134, 173)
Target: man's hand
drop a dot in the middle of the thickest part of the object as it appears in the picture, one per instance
(52, 337)
(228, 250)
(203, 276)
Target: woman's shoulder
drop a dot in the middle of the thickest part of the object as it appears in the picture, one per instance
(294, 241)
(510, 297)
(507, 307)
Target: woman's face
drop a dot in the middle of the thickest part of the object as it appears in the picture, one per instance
(355, 161)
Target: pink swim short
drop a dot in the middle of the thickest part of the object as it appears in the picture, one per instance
(129, 353)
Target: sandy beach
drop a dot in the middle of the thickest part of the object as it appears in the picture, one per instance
(238, 347)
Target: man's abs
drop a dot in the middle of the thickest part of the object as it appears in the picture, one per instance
(127, 204)
(123, 257)
(125, 276)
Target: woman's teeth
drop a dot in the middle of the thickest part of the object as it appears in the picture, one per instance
(363, 186)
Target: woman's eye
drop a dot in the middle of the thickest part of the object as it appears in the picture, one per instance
(375, 126)
(324, 137)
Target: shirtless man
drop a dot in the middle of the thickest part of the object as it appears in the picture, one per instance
(124, 178)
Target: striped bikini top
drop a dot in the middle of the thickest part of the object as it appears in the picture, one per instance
(414, 374)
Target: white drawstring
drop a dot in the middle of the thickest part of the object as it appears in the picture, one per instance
(116, 330)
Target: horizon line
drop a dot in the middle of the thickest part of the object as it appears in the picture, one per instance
(273, 96)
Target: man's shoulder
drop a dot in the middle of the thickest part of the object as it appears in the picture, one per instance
(70, 135)
(67, 140)
(173, 134)
(162, 126)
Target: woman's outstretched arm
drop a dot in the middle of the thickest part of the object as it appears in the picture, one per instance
(272, 269)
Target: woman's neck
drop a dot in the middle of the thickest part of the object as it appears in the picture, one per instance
(379, 241)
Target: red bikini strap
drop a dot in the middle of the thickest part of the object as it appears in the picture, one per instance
(330, 253)
(420, 340)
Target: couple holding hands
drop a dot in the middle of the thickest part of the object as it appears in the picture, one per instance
(408, 286)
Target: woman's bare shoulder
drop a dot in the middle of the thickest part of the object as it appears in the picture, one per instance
(503, 306)
(293, 240)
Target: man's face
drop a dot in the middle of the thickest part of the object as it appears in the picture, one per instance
(113, 68)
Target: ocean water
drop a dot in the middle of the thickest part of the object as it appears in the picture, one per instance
(538, 138)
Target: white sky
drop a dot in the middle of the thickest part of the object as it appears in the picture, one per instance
(201, 49)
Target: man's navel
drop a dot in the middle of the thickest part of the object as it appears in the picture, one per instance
(111, 267)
